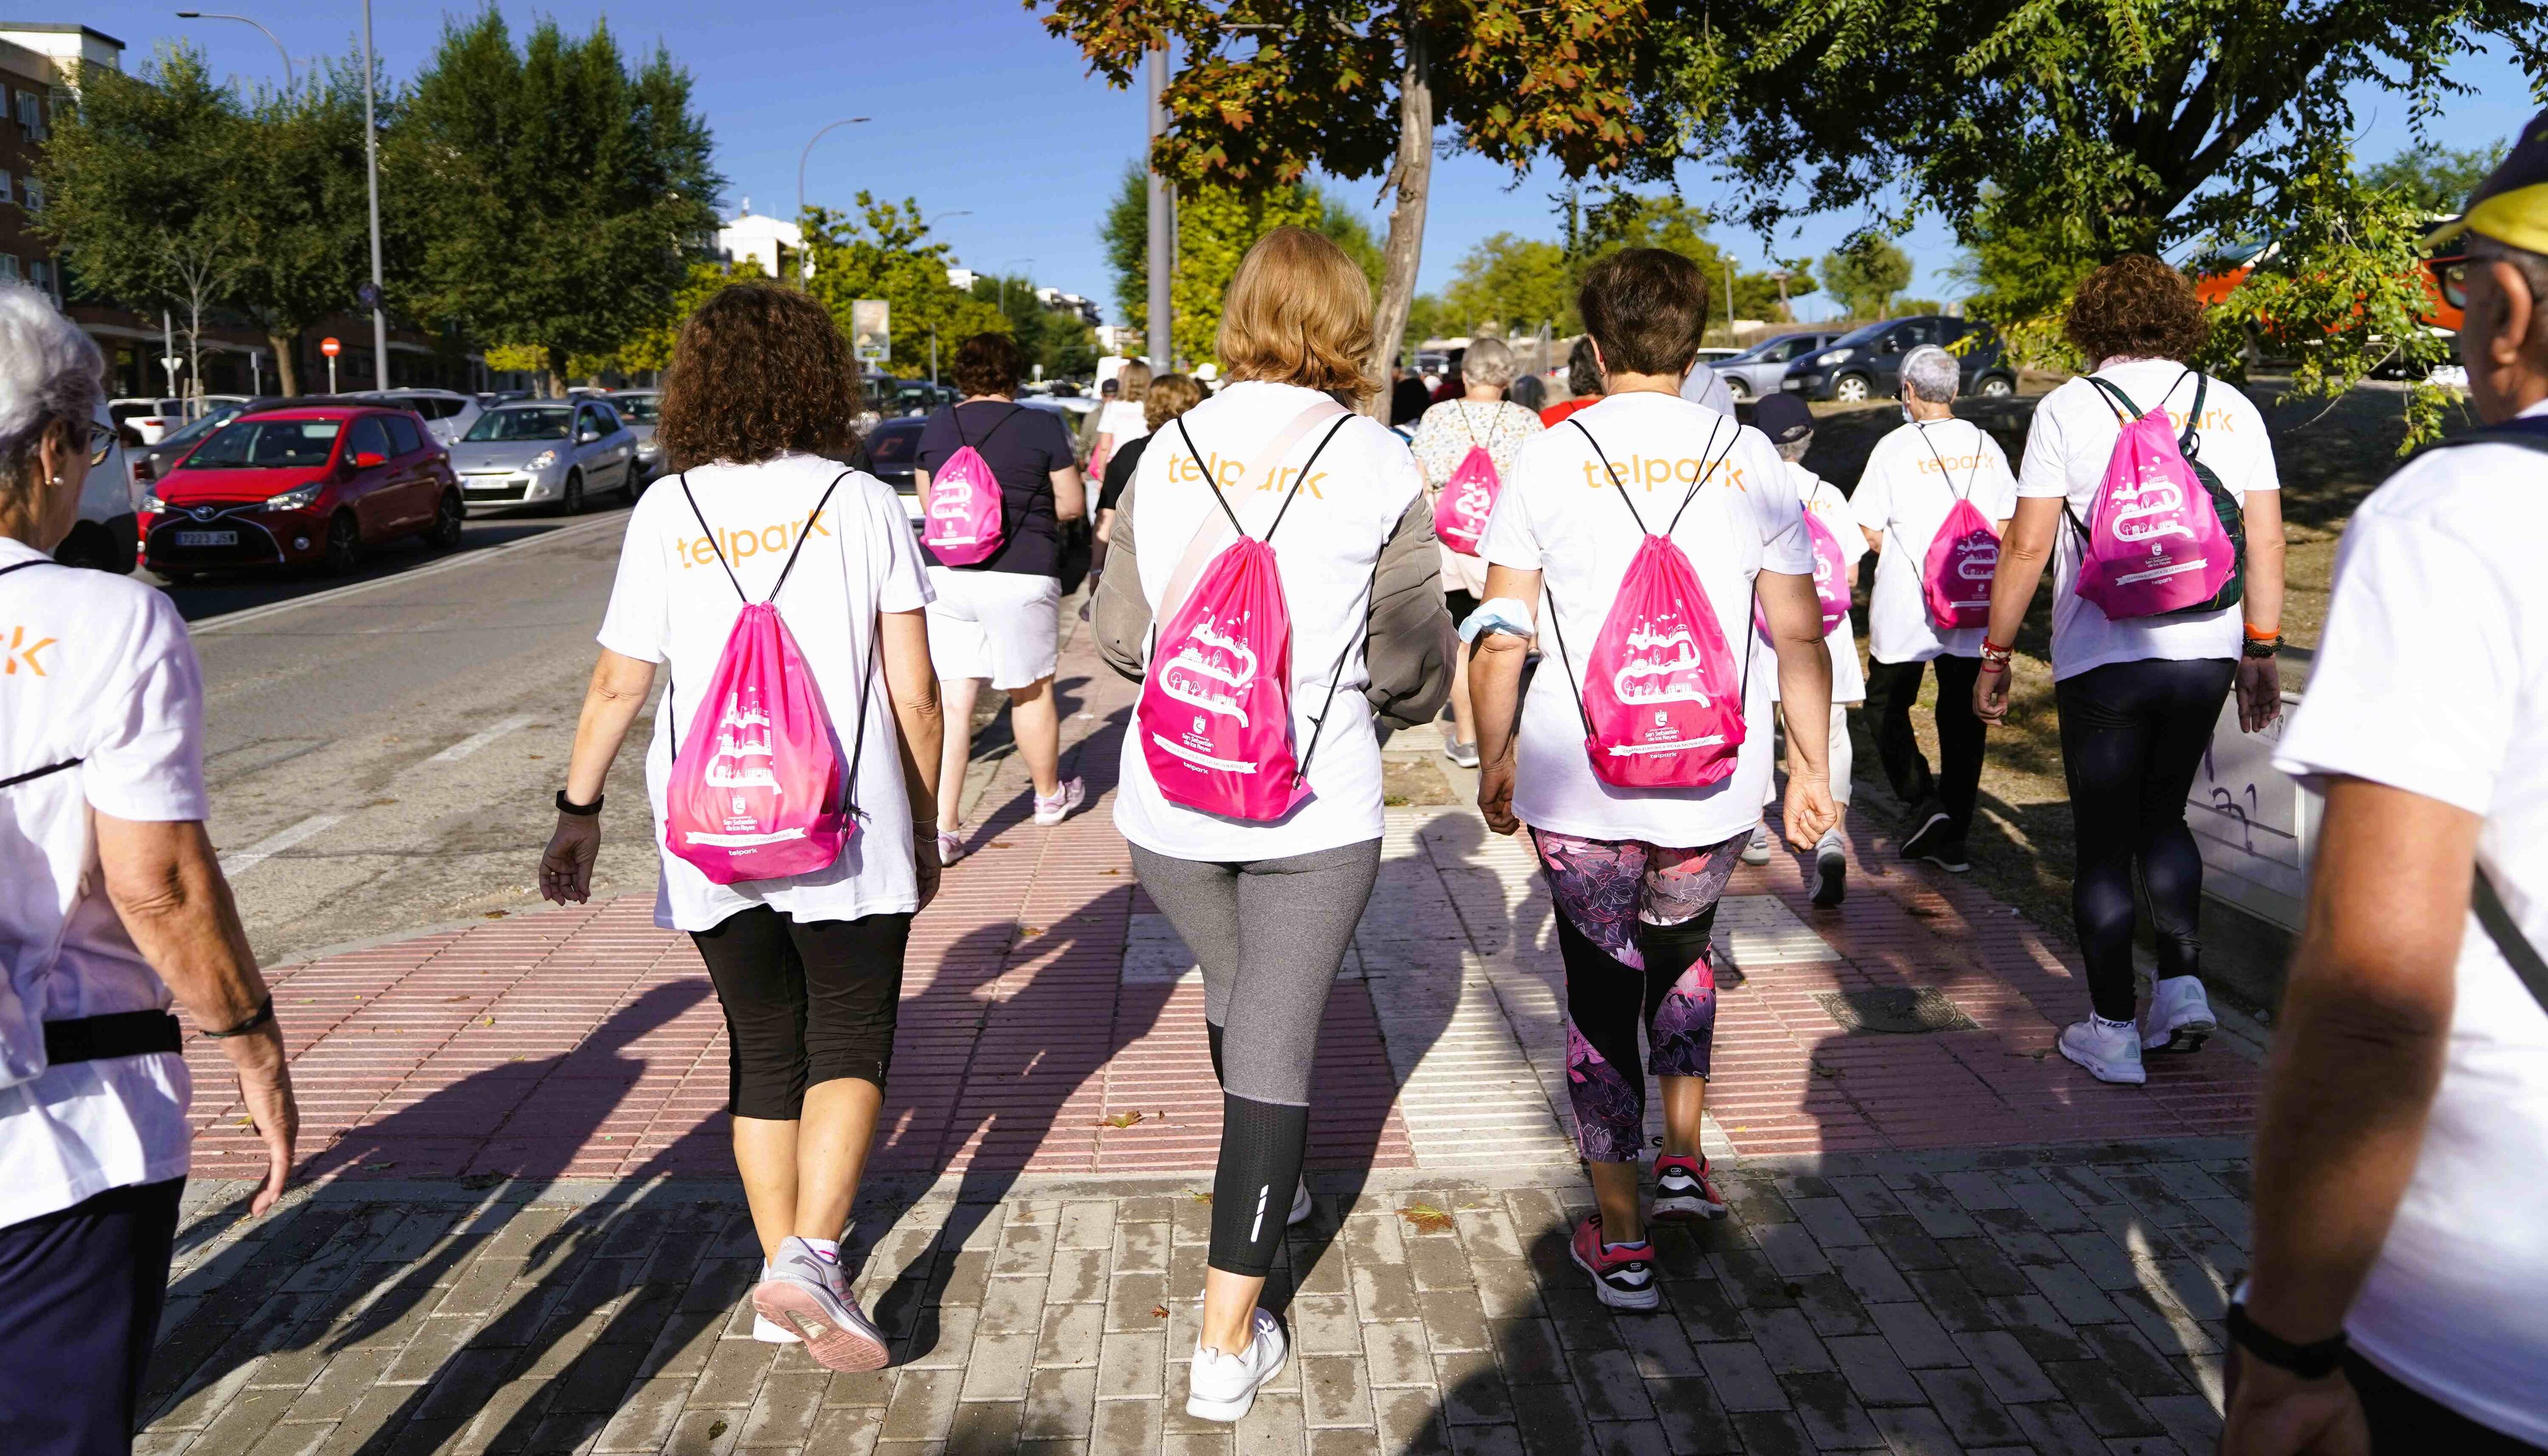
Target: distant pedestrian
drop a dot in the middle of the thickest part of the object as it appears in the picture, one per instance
(112, 907)
(2399, 1299)
(999, 620)
(1120, 421)
(1269, 907)
(1528, 390)
(1636, 873)
(1582, 381)
(1789, 426)
(2139, 698)
(1408, 399)
(1482, 418)
(1907, 498)
(1169, 395)
(808, 968)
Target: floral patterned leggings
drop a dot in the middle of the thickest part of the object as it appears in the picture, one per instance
(1632, 924)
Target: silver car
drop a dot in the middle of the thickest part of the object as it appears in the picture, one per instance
(1756, 370)
(638, 410)
(447, 414)
(559, 453)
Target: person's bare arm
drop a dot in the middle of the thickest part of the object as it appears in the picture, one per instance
(1106, 526)
(1494, 697)
(2260, 679)
(166, 887)
(1070, 493)
(2357, 1054)
(911, 682)
(2024, 546)
(612, 702)
(1795, 617)
(1875, 540)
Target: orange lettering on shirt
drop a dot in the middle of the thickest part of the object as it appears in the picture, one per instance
(20, 650)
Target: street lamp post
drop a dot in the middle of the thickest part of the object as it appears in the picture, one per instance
(289, 83)
(371, 174)
(809, 151)
(1161, 249)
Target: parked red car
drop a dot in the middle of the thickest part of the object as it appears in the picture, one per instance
(301, 484)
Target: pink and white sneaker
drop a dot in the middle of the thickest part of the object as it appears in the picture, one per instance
(806, 1293)
(1623, 1274)
(1683, 1189)
(1064, 802)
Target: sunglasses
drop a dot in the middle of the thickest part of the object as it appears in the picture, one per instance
(2450, 279)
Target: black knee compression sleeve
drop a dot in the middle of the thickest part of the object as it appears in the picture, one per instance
(1261, 1146)
(1211, 1035)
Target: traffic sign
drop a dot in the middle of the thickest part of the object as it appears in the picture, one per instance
(330, 348)
(871, 330)
(369, 295)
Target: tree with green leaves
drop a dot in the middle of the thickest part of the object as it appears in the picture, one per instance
(546, 194)
(1355, 88)
(1216, 226)
(1515, 284)
(304, 215)
(1864, 274)
(884, 252)
(2434, 178)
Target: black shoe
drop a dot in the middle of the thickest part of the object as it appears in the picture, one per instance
(1831, 878)
(1937, 842)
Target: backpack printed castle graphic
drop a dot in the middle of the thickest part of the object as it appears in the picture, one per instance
(742, 758)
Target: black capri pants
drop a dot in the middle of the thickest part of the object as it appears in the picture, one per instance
(805, 1002)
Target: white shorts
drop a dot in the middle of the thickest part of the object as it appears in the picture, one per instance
(1005, 626)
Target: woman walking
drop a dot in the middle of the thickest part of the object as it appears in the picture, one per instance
(1480, 418)
(1636, 872)
(808, 968)
(1269, 907)
(1122, 420)
(1169, 395)
(2140, 697)
(998, 620)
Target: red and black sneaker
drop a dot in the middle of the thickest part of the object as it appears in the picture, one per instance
(1683, 1189)
(1623, 1274)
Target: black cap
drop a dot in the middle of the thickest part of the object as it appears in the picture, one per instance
(2512, 205)
(1783, 418)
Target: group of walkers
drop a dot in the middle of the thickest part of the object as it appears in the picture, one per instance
(1283, 580)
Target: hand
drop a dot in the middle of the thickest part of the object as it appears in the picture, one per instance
(923, 860)
(566, 870)
(1494, 794)
(265, 1085)
(2260, 692)
(1992, 689)
(2274, 1412)
(1811, 811)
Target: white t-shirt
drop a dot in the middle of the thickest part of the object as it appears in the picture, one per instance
(1914, 477)
(1560, 515)
(1704, 385)
(673, 605)
(2437, 605)
(1330, 540)
(97, 667)
(1827, 504)
(2066, 450)
(1124, 419)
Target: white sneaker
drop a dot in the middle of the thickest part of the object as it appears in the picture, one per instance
(1224, 1387)
(1758, 852)
(766, 1330)
(2111, 1052)
(1302, 1207)
(806, 1293)
(1065, 799)
(951, 848)
(2180, 1016)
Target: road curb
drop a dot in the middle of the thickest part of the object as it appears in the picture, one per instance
(616, 521)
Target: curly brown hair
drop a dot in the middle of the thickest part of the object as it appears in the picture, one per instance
(759, 371)
(988, 364)
(2135, 307)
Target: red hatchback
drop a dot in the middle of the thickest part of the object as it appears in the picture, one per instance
(306, 484)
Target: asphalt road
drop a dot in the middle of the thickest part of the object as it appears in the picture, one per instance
(382, 753)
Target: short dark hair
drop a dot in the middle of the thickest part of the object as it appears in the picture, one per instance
(2135, 307)
(759, 371)
(989, 364)
(1582, 369)
(1647, 308)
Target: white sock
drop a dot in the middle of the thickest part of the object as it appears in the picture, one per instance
(828, 1248)
(2112, 1025)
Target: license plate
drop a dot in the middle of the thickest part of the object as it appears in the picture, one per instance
(208, 538)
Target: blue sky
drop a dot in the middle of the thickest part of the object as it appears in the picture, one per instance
(996, 128)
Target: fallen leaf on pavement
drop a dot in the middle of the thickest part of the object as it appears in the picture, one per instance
(1426, 1219)
(1159, 1311)
(1030, 932)
(1203, 1198)
(495, 915)
(1120, 1119)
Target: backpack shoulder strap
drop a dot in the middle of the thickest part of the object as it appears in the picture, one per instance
(1612, 468)
(2500, 928)
(1299, 479)
(2120, 403)
(22, 566)
(1947, 474)
(1205, 466)
(2189, 441)
(1565, 657)
(794, 551)
(683, 481)
(1707, 469)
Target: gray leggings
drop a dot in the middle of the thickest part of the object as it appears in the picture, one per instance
(1269, 934)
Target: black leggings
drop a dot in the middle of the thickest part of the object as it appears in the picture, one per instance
(2133, 737)
(1892, 690)
(805, 1002)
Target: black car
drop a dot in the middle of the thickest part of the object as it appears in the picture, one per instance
(1867, 364)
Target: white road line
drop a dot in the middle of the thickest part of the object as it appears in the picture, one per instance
(480, 739)
(275, 844)
(617, 521)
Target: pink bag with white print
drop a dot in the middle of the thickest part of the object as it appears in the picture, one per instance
(1831, 578)
(2155, 539)
(963, 525)
(1467, 500)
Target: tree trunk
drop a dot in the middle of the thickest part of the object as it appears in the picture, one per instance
(1412, 175)
(554, 381)
(287, 361)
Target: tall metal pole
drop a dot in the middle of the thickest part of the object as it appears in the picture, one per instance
(372, 170)
(290, 81)
(1162, 250)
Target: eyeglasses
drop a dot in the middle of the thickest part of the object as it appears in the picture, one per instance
(100, 443)
(2450, 278)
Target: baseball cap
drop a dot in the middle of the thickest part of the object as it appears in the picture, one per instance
(2512, 205)
(1783, 418)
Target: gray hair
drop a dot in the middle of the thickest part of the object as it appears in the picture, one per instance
(1794, 450)
(1490, 362)
(2533, 268)
(50, 374)
(1931, 373)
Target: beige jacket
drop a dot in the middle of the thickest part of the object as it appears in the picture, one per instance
(1412, 637)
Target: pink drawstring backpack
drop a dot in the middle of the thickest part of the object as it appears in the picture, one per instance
(1214, 717)
(963, 526)
(1662, 705)
(1468, 497)
(758, 792)
(1831, 578)
(1955, 576)
(2159, 537)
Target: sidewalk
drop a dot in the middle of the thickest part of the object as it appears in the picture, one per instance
(527, 1235)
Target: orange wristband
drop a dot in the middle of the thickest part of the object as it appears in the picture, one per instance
(2259, 634)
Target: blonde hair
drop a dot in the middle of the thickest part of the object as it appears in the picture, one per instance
(1171, 396)
(1297, 312)
(1133, 382)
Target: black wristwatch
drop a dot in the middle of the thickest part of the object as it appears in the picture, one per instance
(576, 810)
(2311, 1361)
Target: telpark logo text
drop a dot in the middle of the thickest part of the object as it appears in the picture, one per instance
(741, 546)
(1227, 474)
(17, 649)
(1653, 472)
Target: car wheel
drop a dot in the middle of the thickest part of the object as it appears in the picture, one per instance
(1739, 386)
(1852, 389)
(1997, 386)
(448, 518)
(571, 503)
(344, 549)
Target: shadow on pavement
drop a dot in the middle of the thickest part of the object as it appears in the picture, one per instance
(218, 594)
